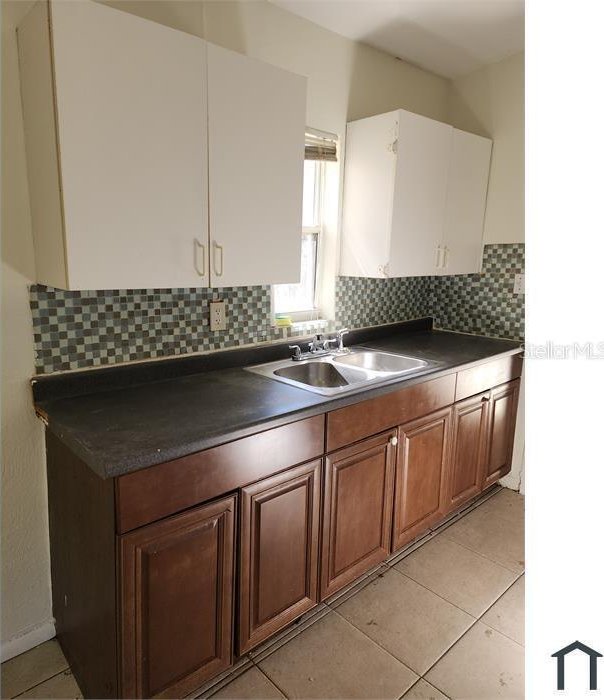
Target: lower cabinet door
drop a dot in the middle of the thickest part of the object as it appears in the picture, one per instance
(176, 602)
(467, 456)
(279, 552)
(500, 432)
(422, 461)
(357, 515)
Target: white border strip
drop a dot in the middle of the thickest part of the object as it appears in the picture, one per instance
(28, 640)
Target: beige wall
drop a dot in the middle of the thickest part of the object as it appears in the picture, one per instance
(26, 605)
(490, 102)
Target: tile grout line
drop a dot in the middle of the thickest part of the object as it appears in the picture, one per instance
(377, 644)
(476, 621)
(484, 556)
(270, 680)
(54, 675)
(486, 624)
(506, 589)
(465, 546)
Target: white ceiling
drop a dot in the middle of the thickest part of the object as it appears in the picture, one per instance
(448, 37)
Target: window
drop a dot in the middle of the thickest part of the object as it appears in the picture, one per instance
(300, 300)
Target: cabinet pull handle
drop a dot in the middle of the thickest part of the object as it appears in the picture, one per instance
(218, 248)
(201, 271)
(393, 441)
(445, 257)
(484, 398)
(437, 257)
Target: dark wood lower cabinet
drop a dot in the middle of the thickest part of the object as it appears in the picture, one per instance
(357, 514)
(421, 470)
(503, 405)
(176, 601)
(279, 552)
(467, 453)
(170, 624)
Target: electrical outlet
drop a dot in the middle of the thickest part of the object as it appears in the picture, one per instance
(217, 316)
(519, 284)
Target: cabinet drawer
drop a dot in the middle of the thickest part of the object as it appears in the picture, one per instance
(352, 423)
(154, 493)
(486, 376)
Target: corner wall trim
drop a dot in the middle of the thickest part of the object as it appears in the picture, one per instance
(28, 640)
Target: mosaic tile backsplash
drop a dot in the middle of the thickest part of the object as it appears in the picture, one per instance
(483, 304)
(84, 329)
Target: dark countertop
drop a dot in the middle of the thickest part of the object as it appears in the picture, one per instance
(126, 429)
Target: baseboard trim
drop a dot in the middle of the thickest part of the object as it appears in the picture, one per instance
(28, 640)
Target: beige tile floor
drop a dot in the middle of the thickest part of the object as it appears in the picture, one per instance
(447, 621)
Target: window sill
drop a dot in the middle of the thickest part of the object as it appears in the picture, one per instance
(305, 328)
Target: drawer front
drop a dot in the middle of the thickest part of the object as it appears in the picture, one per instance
(165, 489)
(353, 423)
(486, 376)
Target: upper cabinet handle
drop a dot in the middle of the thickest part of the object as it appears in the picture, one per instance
(218, 248)
(445, 257)
(440, 254)
(199, 247)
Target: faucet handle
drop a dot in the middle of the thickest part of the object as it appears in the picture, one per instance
(296, 352)
(340, 336)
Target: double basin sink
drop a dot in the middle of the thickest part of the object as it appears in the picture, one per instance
(340, 373)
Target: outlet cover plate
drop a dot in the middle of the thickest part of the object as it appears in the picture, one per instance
(217, 316)
(519, 284)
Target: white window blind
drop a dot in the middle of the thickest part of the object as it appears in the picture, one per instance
(320, 145)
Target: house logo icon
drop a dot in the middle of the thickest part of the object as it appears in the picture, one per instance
(593, 663)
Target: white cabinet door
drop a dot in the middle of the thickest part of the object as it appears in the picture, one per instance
(368, 195)
(466, 200)
(257, 115)
(423, 157)
(132, 114)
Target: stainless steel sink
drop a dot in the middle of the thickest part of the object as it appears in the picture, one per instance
(384, 362)
(340, 373)
(319, 374)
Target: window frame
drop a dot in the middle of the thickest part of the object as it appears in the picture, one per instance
(314, 313)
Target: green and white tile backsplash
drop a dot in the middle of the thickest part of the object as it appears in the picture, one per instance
(85, 329)
(483, 304)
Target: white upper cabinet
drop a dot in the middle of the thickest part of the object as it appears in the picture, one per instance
(118, 164)
(414, 197)
(256, 142)
(420, 194)
(120, 154)
(466, 198)
(370, 170)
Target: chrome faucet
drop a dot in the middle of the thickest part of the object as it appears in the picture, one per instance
(320, 346)
(340, 338)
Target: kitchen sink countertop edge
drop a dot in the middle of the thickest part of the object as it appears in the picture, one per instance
(123, 430)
